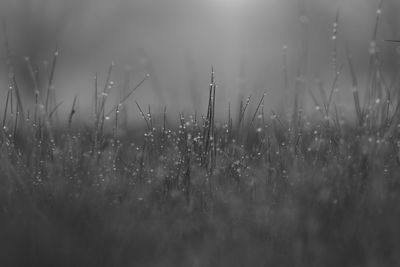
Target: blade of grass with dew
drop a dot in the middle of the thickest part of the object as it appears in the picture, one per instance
(128, 95)
(55, 109)
(5, 110)
(51, 77)
(72, 112)
(317, 106)
(258, 107)
(19, 99)
(356, 97)
(143, 116)
(333, 87)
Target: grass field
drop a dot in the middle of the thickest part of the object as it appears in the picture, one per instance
(263, 188)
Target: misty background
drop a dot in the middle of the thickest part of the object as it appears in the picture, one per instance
(177, 41)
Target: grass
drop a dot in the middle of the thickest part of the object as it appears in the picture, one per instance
(269, 190)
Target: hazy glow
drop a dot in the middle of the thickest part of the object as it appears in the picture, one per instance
(176, 41)
(229, 2)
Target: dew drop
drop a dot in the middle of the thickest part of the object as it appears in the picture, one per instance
(372, 44)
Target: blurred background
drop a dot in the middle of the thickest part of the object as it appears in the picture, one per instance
(177, 41)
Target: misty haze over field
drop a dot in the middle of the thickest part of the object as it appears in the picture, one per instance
(199, 133)
(177, 41)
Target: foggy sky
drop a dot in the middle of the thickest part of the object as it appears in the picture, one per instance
(177, 41)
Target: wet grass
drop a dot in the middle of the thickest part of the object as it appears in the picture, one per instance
(270, 190)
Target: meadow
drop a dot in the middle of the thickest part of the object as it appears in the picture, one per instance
(265, 187)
